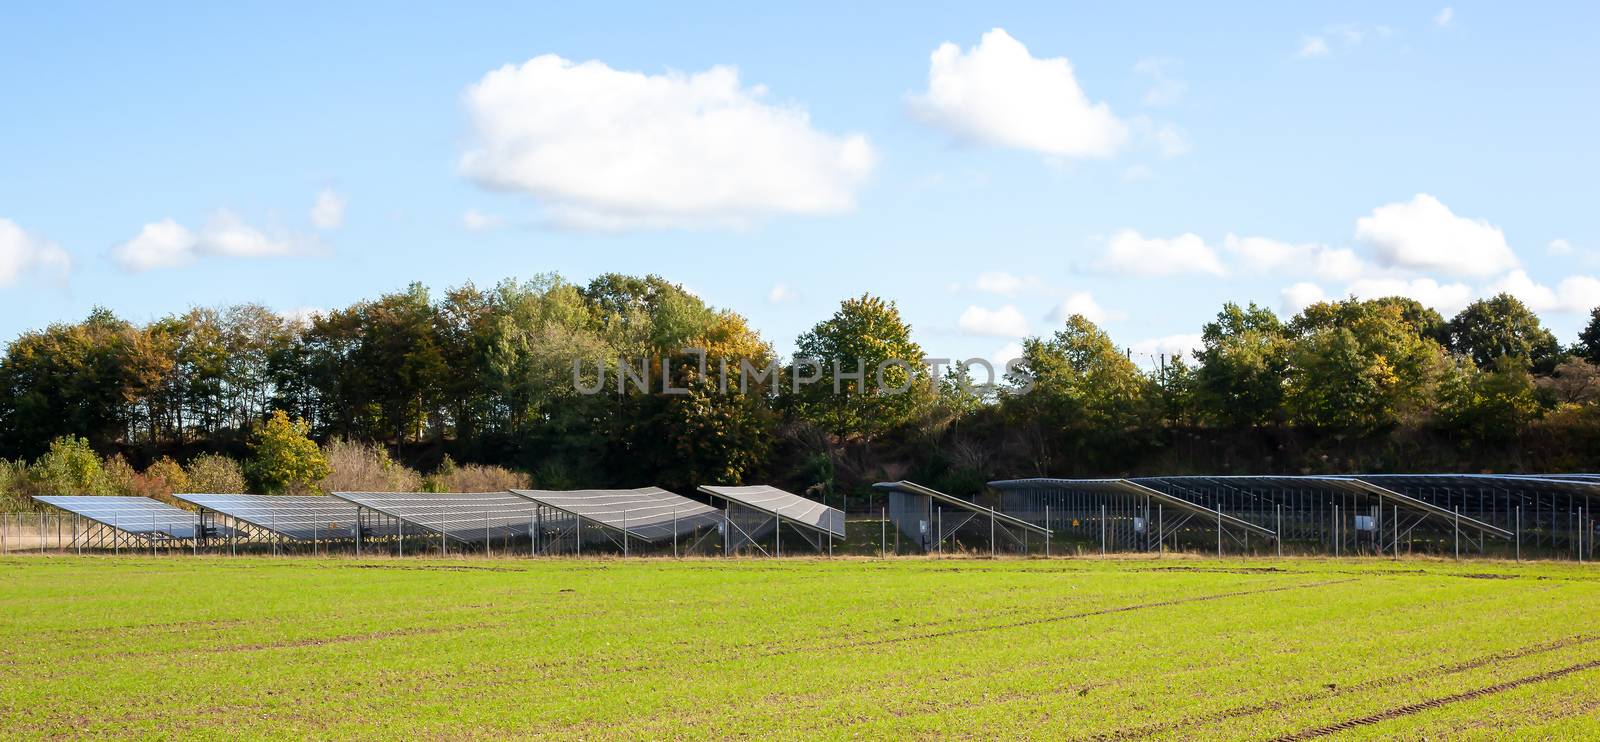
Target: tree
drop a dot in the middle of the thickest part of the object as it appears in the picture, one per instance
(1082, 391)
(1503, 326)
(1243, 364)
(1358, 367)
(283, 458)
(865, 335)
(68, 380)
(69, 467)
(1488, 406)
(1589, 340)
(1573, 382)
(1426, 321)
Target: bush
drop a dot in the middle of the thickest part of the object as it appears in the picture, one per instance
(214, 473)
(284, 459)
(70, 467)
(364, 467)
(474, 478)
(14, 486)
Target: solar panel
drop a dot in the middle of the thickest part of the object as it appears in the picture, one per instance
(136, 515)
(646, 513)
(303, 518)
(790, 506)
(468, 517)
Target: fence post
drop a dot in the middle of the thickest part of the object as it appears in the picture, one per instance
(674, 533)
(624, 531)
(1102, 529)
(883, 536)
(1219, 530)
(1457, 521)
(1047, 528)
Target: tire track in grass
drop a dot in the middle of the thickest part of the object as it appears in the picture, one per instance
(1487, 660)
(1434, 703)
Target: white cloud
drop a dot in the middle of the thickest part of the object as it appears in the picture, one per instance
(782, 294)
(167, 243)
(1265, 255)
(1444, 18)
(1006, 321)
(1447, 298)
(21, 252)
(1299, 296)
(1171, 345)
(1001, 282)
(1165, 89)
(1340, 36)
(1423, 234)
(477, 221)
(1313, 46)
(612, 149)
(302, 315)
(1082, 303)
(1172, 140)
(1137, 173)
(997, 93)
(1559, 247)
(1002, 355)
(1574, 295)
(1127, 252)
(328, 212)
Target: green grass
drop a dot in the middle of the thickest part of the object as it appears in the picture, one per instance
(1081, 648)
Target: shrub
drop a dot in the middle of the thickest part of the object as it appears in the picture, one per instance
(283, 458)
(452, 477)
(214, 473)
(364, 467)
(70, 467)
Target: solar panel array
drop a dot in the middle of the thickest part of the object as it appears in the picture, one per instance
(136, 515)
(646, 513)
(304, 518)
(790, 506)
(473, 517)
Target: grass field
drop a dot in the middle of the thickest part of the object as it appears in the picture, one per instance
(1084, 648)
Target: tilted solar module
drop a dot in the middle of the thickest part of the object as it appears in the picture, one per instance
(136, 515)
(791, 507)
(646, 513)
(304, 518)
(468, 517)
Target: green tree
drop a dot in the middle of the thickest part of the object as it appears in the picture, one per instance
(1492, 406)
(1243, 364)
(284, 458)
(1589, 339)
(864, 335)
(1358, 367)
(1081, 392)
(1503, 326)
(73, 379)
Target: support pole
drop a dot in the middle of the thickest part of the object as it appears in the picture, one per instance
(357, 526)
(1102, 529)
(674, 533)
(1047, 528)
(992, 544)
(1457, 521)
(1219, 530)
(400, 535)
(624, 531)
(883, 538)
(1278, 507)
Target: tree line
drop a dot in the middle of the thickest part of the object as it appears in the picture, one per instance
(487, 377)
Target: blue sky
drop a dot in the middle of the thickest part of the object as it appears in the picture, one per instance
(162, 156)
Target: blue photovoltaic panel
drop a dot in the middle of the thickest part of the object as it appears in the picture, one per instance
(790, 506)
(304, 518)
(468, 517)
(136, 515)
(646, 513)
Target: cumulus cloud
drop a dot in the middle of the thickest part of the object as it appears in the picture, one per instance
(1083, 303)
(612, 149)
(1299, 296)
(1313, 46)
(328, 211)
(1559, 247)
(1171, 345)
(1447, 298)
(1573, 295)
(167, 243)
(998, 93)
(1001, 282)
(1444, 17)
(1266, 255)
(1006, 321)
(782, 294)
(21, 252)
(1423, 234)
(1129, 253)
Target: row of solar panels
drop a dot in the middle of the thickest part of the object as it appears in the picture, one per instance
(644, 514)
